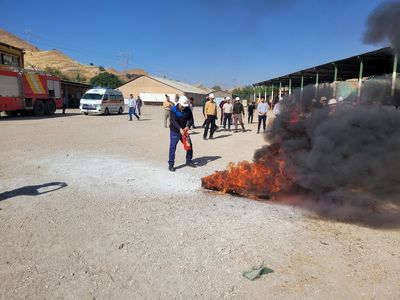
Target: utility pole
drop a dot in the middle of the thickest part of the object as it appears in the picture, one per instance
(28, 33)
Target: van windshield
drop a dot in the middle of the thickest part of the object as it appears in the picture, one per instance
(90, 96)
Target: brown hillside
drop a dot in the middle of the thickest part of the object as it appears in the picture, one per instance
(34, 58)
(13, 40)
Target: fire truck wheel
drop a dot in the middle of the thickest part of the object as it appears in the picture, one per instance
(50, 107)
(11, 113)
(106, 112)
(39, 109)
(120, 111)
(86, 113)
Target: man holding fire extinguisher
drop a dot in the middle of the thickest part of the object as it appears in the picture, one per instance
(181, 118)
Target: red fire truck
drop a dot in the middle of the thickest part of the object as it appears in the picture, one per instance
(27, 91)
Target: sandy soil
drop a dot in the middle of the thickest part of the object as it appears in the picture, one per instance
(88, 210)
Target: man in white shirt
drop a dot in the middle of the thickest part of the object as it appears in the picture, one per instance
(132, 107)
(227, 109)
(262, 109)
(278, 107)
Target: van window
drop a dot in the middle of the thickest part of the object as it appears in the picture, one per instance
(105, 97)
(91, 96)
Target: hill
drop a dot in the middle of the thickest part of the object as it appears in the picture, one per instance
(38, 59)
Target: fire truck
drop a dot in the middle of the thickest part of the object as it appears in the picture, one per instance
(29, 91)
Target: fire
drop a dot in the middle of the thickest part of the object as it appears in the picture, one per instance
(259, 179)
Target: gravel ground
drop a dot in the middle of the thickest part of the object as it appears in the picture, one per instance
(88, 210)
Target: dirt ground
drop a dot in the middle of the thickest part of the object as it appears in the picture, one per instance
(89, 210)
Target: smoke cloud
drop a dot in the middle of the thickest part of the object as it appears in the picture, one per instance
(346, 153)
(383, 25)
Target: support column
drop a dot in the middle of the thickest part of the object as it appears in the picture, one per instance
(280, 89)
(272, 91)
(301, 91)
(265, 92)
(290, 86)
(259, 92)
(335, 82)
(360, 78)
(316, 85)
(254, 95)
(394, 75)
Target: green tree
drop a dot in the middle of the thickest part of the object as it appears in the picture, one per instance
(56, 72)
(106, 79)
(243, 92)
(101, 68)
(216, 88)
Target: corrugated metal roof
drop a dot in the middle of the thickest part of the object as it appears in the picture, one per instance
(182, 86)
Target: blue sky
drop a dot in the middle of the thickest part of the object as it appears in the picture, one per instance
(214, 42)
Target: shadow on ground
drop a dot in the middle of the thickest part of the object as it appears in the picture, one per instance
(33, 190)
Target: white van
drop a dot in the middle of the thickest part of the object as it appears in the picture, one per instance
(102, 101)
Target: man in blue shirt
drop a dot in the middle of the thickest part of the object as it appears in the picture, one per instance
(181, 118)
(262, 109)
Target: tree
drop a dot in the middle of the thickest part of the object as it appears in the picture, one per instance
(243, 92)
(216, 88)
(106, 79)
(56, 72)
(101, 68)
(91, 64)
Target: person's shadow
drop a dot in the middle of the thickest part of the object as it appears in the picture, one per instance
(201, 161)
(33, 190)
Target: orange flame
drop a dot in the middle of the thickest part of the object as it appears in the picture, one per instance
(259, 179)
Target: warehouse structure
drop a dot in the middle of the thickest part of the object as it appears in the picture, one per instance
(152, 90)
(354, 71)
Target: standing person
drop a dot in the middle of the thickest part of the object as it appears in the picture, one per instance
(203, 103)
(191, 106)
(250, 111)
(278, 107)
(210, 113)
(221, 105)
(65, 99)
(228, 109)
(167, 104)
(139, 104)
(262, 109)
(238, 111)
(181, 115)
(176, 100)
(132, 107)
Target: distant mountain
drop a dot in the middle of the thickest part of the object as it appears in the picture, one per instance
(38, 59)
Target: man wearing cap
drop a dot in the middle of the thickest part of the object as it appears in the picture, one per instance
(228, 109)
(181, 118)
(238, 111)
(167, 104)
(278, 107)
(210, 112)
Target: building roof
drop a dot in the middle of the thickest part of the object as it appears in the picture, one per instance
(179, 85)
(377, 62)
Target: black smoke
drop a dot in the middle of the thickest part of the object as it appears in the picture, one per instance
(383, 25)
(345, 155)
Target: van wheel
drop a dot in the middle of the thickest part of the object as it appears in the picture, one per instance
(106, 112)
(50, 107)
(120, 111)
(39, 108)
(85, 113)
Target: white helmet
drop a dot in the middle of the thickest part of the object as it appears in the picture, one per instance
(228, 98)
(332, 101)
(340, 99)
(211, 96)
(183, 101)
(237, 99)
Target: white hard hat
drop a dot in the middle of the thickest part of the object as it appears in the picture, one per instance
(340, 99)
(183, 101)
(280, 98)
(237, 99)
(228, 98)
(332, 101)
(211, 96)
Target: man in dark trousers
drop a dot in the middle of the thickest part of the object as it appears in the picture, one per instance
(250, 109)
(210, 113)
(181, 118)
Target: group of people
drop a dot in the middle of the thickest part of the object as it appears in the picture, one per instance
(134, 105)
(180, 116)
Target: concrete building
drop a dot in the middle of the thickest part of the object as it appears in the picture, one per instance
(220, 95)
(11, 56)
(152, 90)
